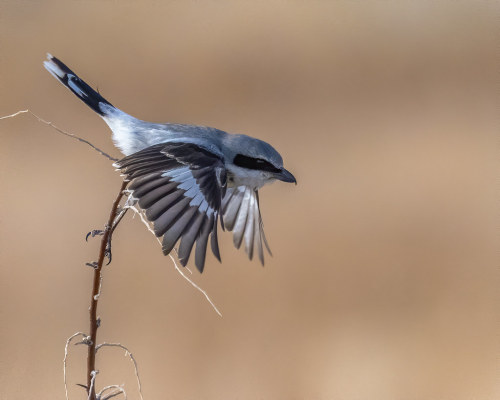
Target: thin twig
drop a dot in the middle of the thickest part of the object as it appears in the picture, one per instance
(116, 393)
(15, 114)
(145, 222)
(66, 357)
(194, 285)
(119, 390)
(95, 292)
(177, 255)
(71, 135)
(127, 352)
(91, 388)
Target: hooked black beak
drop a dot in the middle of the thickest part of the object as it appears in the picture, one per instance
(285, 176)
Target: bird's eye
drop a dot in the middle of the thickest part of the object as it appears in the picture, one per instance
(254, 163)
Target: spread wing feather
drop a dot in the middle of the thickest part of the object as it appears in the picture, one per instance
(181, 187)
(241, 213)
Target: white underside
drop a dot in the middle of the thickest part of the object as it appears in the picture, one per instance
(122, 126)
(248, 177)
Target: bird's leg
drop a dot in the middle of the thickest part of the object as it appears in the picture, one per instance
(120, 213)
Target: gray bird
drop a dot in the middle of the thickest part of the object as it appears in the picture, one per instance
(187, 177)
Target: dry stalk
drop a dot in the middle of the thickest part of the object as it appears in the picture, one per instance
(118, 390)
(66, 358)
(115, 217)
(106, 237)
(127, 353)
(71, 135)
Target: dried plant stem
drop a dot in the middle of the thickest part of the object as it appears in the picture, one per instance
(118, 390)
(127, 353)
(66, 357)
(71, 135)
(140, 213)
(95, 295)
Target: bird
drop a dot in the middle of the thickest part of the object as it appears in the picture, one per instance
(187, 178)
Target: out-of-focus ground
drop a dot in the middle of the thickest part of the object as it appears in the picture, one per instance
(384, 280)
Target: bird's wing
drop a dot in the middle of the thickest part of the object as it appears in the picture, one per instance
(181, 187)
(241, 214)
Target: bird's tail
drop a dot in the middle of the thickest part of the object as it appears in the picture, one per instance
(69, 79)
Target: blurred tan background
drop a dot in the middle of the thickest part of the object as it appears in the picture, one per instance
(384, 280)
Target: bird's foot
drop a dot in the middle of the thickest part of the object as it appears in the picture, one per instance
(94, 233)
(92, 264)
(107, 251)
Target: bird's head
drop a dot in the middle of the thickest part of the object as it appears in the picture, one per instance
(255, 162)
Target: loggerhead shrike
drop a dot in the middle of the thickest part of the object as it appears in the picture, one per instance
(185, 177)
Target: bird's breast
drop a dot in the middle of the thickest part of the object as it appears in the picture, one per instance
(238, 176)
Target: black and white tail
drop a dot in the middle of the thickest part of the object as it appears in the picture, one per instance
(69, 79)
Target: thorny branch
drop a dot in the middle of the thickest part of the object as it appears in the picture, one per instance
(106, 238)
(114, 218)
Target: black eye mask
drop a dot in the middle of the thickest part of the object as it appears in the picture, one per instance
(254, 163)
